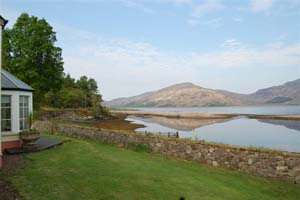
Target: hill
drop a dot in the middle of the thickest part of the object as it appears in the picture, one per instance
(179, 95)
(190, 95)
(288, 93)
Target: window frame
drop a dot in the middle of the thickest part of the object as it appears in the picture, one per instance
(24, 112)
(10, 113)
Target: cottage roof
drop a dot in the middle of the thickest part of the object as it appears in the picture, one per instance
(3, 21)
(10, 82)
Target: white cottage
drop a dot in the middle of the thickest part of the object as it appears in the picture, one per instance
(16, 105)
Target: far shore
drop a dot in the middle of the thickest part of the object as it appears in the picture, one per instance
(201, 115)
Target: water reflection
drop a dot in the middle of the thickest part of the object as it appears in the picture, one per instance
(258, 109)
(286, 123)
(239, 131)
(178, 124)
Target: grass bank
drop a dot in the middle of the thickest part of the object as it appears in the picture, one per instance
(83, 169)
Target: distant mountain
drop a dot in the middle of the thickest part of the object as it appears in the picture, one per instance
(288, 93)
(190, 95)
(179, 95)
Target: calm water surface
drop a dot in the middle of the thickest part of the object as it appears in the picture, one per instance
(265, 109)
(274, 134)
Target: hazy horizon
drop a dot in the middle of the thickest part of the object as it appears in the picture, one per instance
(134, 46)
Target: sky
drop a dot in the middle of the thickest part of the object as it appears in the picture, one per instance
(133, 46)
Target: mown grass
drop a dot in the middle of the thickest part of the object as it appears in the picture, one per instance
(83, 169)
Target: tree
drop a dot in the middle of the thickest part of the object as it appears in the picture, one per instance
(29, 52)
(87, 84)
(6, 50)
(69, 82)
(82, 93)
(66, 98)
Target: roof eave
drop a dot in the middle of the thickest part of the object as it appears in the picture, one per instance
(4, 21)
(18, 89)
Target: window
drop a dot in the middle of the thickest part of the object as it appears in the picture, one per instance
(24, 112)
(5, 113)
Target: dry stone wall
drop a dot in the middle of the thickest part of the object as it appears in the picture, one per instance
(280, 165)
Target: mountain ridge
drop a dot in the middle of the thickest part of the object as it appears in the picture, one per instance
(187, 94)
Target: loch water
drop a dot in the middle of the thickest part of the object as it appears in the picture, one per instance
(255, 109)
(273, 134)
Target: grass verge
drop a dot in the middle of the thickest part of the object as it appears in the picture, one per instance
(83, 169)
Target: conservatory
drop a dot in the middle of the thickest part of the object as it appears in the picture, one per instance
(16, 105)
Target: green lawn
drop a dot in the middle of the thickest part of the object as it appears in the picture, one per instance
(88, 170)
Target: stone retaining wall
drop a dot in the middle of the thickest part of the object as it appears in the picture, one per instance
(280, 165)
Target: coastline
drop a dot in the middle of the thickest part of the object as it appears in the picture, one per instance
(202, 115)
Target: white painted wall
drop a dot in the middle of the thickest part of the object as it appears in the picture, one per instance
(13, 134)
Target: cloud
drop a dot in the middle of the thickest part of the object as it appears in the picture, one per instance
(231, 43)
(126, 68)
(275, 55)
(238, 19)
(283, 36)
(138, 5)
(197, 8)
(260, 5)
(215, 23)
(204, 7)
(177, 2)
(200, 9)
(193, 22)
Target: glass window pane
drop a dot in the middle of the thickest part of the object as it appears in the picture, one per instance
(26, 112)
(21, 113)
(21, 101)
(8, 125)
(26, 101)
(5, 101)
(6, 113)
(2, 113)
(2, 125)
(5, 125)
(21, 124)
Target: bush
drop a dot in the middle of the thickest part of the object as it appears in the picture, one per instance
(67, 98)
